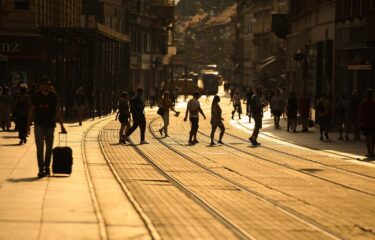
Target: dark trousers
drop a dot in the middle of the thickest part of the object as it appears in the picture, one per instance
(138, 120)
(44, 136)
(21, 122)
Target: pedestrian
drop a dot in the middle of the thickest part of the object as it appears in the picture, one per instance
(193, 110)
(355, 101)
(237, 105)
(324, 112)
(257, 114)
(79, 99)
(7, 103)
(342, 111)
(249, 94)
(367, 120)
(216, 120)
(123, 115)
(137, 108)
(304, 106)
(165, 105)
(151, 97)
(292, 109)
(45, 112)
(277, 105)
(22, 108)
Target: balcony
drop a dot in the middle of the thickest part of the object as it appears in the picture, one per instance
(163, 3)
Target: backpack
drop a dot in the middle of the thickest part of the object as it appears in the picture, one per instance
(340, 110)
(253, 105)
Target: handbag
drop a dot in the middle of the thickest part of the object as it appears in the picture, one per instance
(161, 111)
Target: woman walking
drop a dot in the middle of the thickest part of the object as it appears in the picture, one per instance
(324, 111)
(292, 109)
(123, 115)
(216, 120)
(22, 108)
(165, 105)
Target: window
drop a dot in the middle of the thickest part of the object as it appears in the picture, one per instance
(21, 4)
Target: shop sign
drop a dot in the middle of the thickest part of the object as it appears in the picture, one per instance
(360, 67)
(3, 58)
(20, 47)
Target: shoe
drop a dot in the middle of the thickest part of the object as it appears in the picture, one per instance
(252, 140)
(143, 142)
(24, 140)
(212, 144)
(40, 175)
(191, 142)
(166, 135)
(21, 142)
(258, 143)
(220, 142)
(47, 173)
(161, 131)
(195, 141)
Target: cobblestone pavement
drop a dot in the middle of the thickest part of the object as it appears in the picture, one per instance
(276, 191)
(291, 187)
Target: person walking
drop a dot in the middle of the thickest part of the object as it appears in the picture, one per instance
(216, 120)
(137, 109)
(367, 120)
(79, 103)
(151, 94)
(192, 111)
(355, 101)
(22, 109)
(277, 105)
(166, 105)
(6, 116)
(324, 111)
(257, 114)
(292, 109)
(304, 107)
(44, 112)
(237, 105)
(249, 94)
(123, 115)
(342, 111)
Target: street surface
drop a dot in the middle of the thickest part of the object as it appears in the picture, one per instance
(291, 187)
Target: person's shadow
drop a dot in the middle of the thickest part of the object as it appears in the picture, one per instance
(20, 180)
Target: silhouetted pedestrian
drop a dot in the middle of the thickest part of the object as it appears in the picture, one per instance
(277, 105)
(193, 110)
(137, 107)
(257, 114)
(342, 111)
(367, 119)
(304, 106)
(292, 109)
(355, 101)
(79, 103)
(166, 105)
(22, 108)
(324, 112)
(216, 120)
(44, 112)
(237, 105)
(123, 115)
(249, 94)
(6, 115)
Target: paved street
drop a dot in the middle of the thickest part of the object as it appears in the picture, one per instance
(291, 187)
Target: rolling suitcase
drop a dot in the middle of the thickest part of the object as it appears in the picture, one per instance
(62, 158)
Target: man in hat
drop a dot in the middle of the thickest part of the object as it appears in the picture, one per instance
(45, 112)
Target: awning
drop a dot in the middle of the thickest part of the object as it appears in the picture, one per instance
(266, 62)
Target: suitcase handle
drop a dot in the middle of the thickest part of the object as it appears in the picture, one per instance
(66, 138)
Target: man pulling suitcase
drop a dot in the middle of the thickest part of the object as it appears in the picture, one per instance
(45, 112)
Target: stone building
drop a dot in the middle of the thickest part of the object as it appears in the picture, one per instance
(355, 46)
(310, 46)
(260, 55)
(150, 25)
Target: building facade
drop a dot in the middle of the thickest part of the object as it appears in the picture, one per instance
(355, 46)
(310, 46)
(260, 55)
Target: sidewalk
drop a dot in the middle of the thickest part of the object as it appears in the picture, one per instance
(351, 149)
(62, 207)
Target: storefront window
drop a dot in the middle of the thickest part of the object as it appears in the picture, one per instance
(21, 4)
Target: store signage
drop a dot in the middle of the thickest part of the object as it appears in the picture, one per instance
(360, 67)
(10, 47)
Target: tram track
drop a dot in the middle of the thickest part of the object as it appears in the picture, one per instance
(286, 210)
